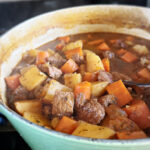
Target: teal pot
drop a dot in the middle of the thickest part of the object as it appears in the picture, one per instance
(44, 28)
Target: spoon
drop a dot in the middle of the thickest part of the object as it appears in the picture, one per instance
(130, 83)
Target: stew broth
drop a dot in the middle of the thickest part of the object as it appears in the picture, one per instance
(74, 85)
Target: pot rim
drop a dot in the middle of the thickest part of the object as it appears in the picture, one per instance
(108, 142)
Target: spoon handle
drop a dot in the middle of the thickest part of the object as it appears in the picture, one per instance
(130, 83)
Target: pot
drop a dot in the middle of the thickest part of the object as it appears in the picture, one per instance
(44, 28)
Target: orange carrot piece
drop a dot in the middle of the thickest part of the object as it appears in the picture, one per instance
(103, 47)
(90, 77)
(89, 36)
(59, 46)
(129, 38)
(139, 112)
(144, 73)
(119, 90)
(121, 52)
(106, 64)
(129, 57)
(41, 57)
(13, 81)
(84, 88)
(65, 39)
(69, 54)
(95, 42)
(66, 125)
(113, 41)
(69, 67)
(131, 135)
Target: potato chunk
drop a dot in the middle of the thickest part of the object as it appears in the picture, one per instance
(93, 131)
(98, 88)
(72, 79)
(37, 119)
(23, 106)
(54, 122)
(73, 45)
(52, 87)
(93, 61)
(31, 77)
(140, 49)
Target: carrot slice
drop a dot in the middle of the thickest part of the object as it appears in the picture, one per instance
(13, 81)
(121, 52)
(119, 90)
(113, 41)
(69, 67)
(89, 36)
(103, 47)
(129, 57)
(69, 54)
(144, 73)
(84, 88)
(91, 77)
(95, 42)
(139, 112)
(131, 135)
(66, 125)
(41, 57)
(129, 38)
(106, 64)
(65, 39)
(59, 46)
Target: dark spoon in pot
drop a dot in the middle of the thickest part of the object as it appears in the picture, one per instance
(131, 83)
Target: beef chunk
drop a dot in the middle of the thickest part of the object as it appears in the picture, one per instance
(63, 104)
(146, 96)
(108, 54)
(56, 60)
(114, 111)
(107, 100)
(118, 76)
(77, 58)
(50, 70)
(121, 124)
(29, 59)
(80, 101)
(104, 76)
(47, 110)
(120, 44)
(92, 112)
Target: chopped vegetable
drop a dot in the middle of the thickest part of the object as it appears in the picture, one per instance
(64, 39)
(33, 52)
(69, 67)
(140, 49)
(99, 88)
(70, 53)
(129, 57)
(144, 73)
(90, 77)
(95, 42)
(13, 81)
(52, 87)
(131, 135)
(54, 122)
(73, 45)
(84, 88)
(37, 119)
(139, 112)
(93, 61)
(103, 47)
(121, 52)
(93, 131)
(72, 79)
(34, 106)
(59, 46)
(31, 77)
(130, 38)
(106, 64)
(66, 125)
(41, 57)
(119, 90)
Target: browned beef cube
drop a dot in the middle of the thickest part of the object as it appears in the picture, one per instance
(104, 76)
(63, 104)
(50, 70)
(107, 100)
(92, 112)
